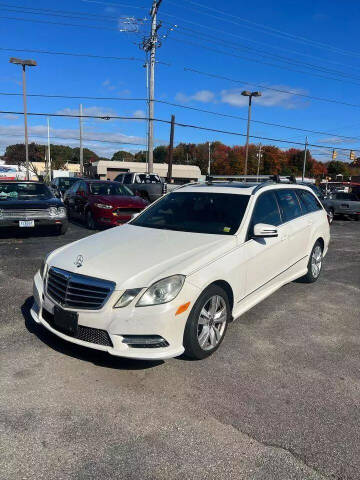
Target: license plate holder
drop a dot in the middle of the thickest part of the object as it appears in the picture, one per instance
(66, 321)
(26, 223)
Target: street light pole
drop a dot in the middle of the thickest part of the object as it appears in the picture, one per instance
(259, 155)
(246, 93)
(24, 64)
(305, 155)
(81, 143)
(209, 161)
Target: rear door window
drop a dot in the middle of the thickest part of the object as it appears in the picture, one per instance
(289, 204)
(308, 201)
(128, 178)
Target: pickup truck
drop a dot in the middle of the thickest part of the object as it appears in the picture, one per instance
(342, 203)
(149, 186)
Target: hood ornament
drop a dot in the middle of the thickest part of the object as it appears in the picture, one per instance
(79, 261)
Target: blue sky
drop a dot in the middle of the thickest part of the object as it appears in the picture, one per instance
(323, 35)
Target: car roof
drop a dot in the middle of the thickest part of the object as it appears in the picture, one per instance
(239, 188)
(22, 181)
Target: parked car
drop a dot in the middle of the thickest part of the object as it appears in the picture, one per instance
(61, 184)
(147, 185)
(101, 203)
(344, 204)
(172, 279)
(26, 204)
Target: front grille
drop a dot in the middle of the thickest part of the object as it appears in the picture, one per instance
(77, 291)
(126, 212)
(25, 213)
(86, 334)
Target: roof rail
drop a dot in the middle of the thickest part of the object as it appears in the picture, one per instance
(274, 179)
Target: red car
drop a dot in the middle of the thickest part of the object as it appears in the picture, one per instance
(102, 203)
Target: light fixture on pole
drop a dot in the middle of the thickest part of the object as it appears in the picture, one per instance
(24, 64)
(246, 93)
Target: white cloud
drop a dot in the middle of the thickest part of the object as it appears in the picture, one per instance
(139, 113)
(204, 96)
(276, 96)
(337, 140)
(10, 116)
(269, 98)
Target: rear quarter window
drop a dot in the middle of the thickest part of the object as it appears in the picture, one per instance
(309, 202)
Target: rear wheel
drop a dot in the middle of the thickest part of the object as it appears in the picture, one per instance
(315, 263)
(90, 222)
(207, 323)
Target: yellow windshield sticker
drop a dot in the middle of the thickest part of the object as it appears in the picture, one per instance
(227, 229)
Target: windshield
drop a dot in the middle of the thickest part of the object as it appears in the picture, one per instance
(24, 191)
(218, 213)
(107, 188)
(67, 182)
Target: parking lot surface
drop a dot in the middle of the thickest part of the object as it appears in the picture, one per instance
(280, 399)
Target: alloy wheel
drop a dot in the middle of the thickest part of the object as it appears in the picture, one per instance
(316, 261)
(212, 322)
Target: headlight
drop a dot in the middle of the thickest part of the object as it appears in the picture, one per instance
(103, 205)
(127, 297)
(163, 291)
(52, 211)
(42, 269)
(62, 212)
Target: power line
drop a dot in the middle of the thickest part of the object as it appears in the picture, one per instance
(215, 40)
(318, 132)
(31, 20)
(184, 125)
(270, 30)
(254, 60)
(72, 54)
(34, 135)
(264, 87)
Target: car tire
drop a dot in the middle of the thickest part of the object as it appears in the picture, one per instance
(314, 264)
(90, 221)
(203, 335)
(62, 229)
(356, 217)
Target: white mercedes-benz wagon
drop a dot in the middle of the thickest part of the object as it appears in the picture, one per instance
(170, 281)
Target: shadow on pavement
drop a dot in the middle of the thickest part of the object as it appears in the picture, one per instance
(99, 358)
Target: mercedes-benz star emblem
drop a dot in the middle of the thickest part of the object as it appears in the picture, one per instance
(79, 261)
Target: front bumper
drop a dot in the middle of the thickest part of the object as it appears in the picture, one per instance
(39, 222)
(157, 320)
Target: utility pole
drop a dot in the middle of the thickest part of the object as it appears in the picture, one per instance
(259, 156)
(171, 148)
(81, 144)
(209, 162)
(149, 45)
(49, 173)
(305, 154)
(246, 93)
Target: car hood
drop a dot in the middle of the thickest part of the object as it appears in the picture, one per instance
(46, 203)
(120, 201)
(135, 257)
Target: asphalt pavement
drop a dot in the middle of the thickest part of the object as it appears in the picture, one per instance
(280, 400)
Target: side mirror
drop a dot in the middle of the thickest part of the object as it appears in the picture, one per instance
(262, 230)
(134, 215)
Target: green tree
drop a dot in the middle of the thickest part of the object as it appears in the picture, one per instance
(123, 156)
(160, 154)
(335, 167)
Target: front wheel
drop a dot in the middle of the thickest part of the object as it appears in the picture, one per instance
(207, 323)
(90, 222)
(314, 264)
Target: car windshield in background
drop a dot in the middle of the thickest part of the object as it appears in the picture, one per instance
(106, 188)
(217, 213)
(67, 182)
(24, 191)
